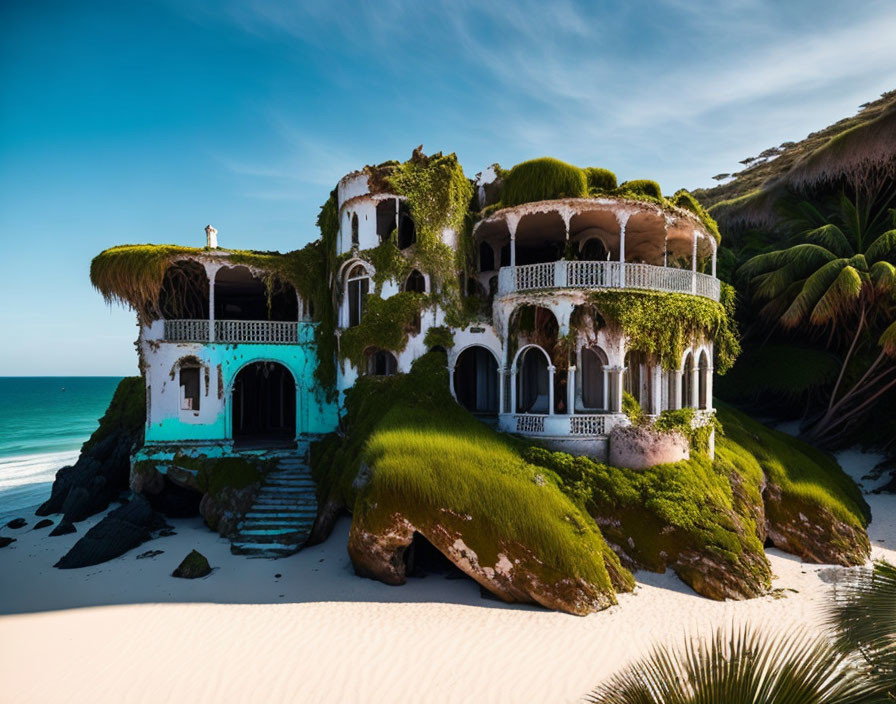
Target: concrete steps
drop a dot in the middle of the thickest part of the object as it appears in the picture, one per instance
(280, 520)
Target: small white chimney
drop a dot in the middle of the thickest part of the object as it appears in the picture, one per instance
(211, 237)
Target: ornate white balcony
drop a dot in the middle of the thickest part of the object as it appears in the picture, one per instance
(272, 332)
(580, 425)
(600, 274)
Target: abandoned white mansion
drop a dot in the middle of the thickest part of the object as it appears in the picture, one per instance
(229, 357)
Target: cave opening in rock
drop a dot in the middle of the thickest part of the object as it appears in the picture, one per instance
(175, 501)
(422, 558)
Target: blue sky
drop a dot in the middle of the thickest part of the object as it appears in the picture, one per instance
(142, 122)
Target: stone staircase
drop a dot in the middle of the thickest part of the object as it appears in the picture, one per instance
(280, 521)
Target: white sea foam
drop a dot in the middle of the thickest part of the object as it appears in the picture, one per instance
(33, 469)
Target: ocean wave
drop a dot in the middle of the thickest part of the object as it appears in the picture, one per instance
(23, 470)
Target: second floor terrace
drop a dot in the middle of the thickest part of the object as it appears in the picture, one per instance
(596, 243)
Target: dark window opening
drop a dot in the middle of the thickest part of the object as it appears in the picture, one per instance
(381, 363)
(354, 229)
(421, 558)
(189, 388)
(476, 380)
(593, 362)
(486, 257)
(473, 288)
(385, 218)
(264, 405)
(241, 296)
(532, 380)
(184, 292)
(416, 282)
(505, 255)
(594, 251)
(407, 230)
(358, 288)
(539, 254)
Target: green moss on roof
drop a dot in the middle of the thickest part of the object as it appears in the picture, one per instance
(600, 180)
(543, 179)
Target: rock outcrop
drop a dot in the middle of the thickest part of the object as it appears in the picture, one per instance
(17, 523)
(121, 530)
(101, 472)
(193, 566)
(6, 540)
(812, 531)
(515, 575)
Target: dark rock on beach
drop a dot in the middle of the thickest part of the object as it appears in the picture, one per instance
(64, 528)
(42, 523)
(194, 565)
(6, 540)
(17, 523)
(149, 553)
(121, 530)
(102, 470)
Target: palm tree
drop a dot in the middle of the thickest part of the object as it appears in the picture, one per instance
(863, 614)
(840, 275)
(743, 668)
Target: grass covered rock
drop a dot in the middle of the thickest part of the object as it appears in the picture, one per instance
(414, 461)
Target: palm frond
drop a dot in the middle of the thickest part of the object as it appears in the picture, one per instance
(742, 667)
(863, 613)
(883, 249)
(831, 238)
(888, 340)
(883, 276)
(812, 291)
(840, 296)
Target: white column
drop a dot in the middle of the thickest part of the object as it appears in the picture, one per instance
(676, 400)
(656, 389)
(622, 224)
(665, 247)
(551, 371)
(606, 389)
(616, 380)
(211, 305)
(695, 385)
(512, 222)
(513, 390)
(714, 253)
(694, 265)
(708, 387)
(501, 381)
(571, 390)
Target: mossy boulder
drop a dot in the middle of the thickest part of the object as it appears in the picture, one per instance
(415, 461)
(193, 566)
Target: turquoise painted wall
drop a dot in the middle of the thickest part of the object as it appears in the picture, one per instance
(314, 413)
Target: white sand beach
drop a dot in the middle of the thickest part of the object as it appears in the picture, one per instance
(126, 631)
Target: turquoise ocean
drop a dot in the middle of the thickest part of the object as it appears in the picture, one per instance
(43, 422)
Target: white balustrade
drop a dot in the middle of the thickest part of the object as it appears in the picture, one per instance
(186, 330)
(268, 331)
(587, 425)
(529, 423)
(586, 274)
(236, 331)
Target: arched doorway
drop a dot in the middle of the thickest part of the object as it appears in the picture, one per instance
(594, 395)
(633, 381)
(264, 406)
(476, 380)
(687, 382)
(532, 381)
(594, 250)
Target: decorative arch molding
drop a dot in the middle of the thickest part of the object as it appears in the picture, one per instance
(457, 352)
(228, 388)
(349, 264)
(519, 352)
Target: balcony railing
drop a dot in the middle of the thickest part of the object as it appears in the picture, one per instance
(272, 332)
(560, 425)
(565, 274)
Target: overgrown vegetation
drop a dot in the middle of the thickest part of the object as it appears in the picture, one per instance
(386, 325)
(662, 325)
(125, 415)
(543, 179)
(427, 455)
(439, 336)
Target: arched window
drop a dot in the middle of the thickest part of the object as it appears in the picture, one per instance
(593, 378)
(357, 288)
(476, 380)
(354, 229)
(415, 282)
(381, 363)
(407, 230)
(687, 382)
(486, 257)
(703, 381)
